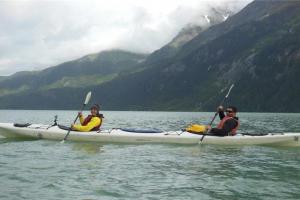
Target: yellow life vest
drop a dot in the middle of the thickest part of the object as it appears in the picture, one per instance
(196, 128)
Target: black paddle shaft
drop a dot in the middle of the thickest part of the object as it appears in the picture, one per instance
(87, 99)
(82, 107)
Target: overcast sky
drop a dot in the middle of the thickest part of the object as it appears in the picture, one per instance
(36, 34)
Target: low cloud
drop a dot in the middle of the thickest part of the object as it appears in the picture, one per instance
(38, 34)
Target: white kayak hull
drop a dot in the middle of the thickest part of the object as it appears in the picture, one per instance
(37, 131)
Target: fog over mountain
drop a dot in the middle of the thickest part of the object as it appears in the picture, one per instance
(38, 34)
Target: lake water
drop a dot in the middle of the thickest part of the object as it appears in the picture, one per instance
(41, 169)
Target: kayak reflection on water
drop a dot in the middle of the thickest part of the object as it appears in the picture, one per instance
(89, 148)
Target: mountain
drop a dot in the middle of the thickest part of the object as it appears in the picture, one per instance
(93, 69)
(187, 33)
(257, 49)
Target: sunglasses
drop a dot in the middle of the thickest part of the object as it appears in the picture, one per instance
(229, 111)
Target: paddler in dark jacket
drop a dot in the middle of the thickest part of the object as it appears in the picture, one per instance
(91, 123)
(229, 123)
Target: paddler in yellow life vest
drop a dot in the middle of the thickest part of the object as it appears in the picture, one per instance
(91, 123)
(228, 124)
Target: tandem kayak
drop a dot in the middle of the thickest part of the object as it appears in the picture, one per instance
(40, 131)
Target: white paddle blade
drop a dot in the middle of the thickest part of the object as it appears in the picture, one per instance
(87, 98)
(229, 90)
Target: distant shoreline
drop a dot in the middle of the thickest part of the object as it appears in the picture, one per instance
(167, 111)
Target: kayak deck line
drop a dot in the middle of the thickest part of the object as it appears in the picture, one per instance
(119, 135)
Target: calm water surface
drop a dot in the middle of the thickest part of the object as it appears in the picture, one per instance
(41, 169)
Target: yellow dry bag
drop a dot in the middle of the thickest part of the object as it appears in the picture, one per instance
(196, 128)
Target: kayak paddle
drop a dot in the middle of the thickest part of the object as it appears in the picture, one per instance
(216, 113)
(87, 99)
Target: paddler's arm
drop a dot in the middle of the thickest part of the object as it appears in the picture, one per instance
(81, 118)
(221, 115)
(221, 112)
(95, 121)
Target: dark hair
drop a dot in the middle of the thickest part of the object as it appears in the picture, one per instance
(234, 109)
(95, 106)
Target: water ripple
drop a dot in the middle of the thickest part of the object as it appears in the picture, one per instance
(39, 169)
